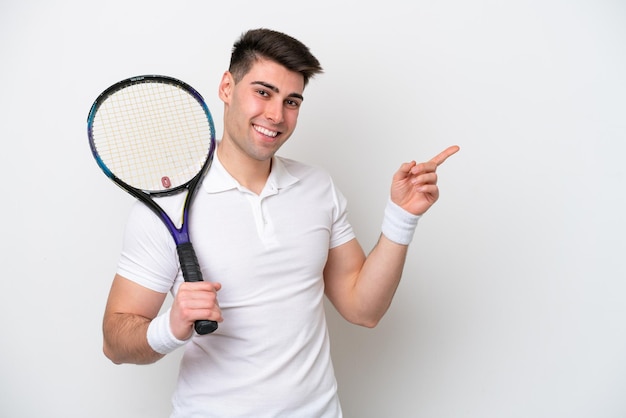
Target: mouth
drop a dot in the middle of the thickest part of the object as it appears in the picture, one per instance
(265, 131)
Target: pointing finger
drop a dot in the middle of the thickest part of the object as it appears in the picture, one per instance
(443, 156)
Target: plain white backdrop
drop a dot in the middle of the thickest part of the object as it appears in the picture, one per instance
(513, 301)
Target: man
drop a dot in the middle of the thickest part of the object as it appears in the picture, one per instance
(272, 238)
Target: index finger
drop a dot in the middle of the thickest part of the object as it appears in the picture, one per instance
(443, 156)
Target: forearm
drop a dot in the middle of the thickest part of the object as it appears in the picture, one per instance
(361, 288)
(125, 339)
(378, 281)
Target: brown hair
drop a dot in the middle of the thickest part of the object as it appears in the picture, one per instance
(275, 46)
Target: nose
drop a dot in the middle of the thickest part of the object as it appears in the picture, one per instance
(274, 111)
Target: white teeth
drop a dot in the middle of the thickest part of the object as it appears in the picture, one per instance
(265, 131)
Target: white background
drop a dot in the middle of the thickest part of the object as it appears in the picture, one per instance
(513, 301)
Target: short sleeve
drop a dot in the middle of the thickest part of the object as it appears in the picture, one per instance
(342, 231)
(148, 256)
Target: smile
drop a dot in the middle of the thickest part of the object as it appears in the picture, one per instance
(265, 131)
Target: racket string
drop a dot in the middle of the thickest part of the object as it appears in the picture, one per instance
(153, 136)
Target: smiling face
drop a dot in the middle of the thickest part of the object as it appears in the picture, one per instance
(260, 111)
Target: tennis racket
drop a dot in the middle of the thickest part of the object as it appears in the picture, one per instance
(154, 136)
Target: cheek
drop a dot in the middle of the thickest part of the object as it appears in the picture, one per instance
(291, 118)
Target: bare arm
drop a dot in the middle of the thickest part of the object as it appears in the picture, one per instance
(131, 307)
(361, 288)
(129, 310)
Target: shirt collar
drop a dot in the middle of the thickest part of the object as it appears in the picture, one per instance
(219, 180)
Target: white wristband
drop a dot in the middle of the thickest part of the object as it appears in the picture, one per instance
(160, 336)
(398, 224)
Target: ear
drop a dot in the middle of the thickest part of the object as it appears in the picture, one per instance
(226, 87)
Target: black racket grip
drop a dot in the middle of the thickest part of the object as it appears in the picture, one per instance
(191, 273)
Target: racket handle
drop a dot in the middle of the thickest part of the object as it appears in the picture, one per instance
(192, 273)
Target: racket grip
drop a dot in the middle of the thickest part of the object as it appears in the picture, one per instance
(192, 273)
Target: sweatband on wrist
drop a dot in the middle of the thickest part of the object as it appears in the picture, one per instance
(160, 337)
(398, 224)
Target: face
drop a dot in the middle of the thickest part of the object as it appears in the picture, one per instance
(261, 110)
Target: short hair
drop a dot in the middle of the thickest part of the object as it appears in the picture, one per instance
(275, 46)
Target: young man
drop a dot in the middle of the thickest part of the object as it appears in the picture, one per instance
(272, 238)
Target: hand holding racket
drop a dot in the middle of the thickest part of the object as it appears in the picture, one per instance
(154, 136)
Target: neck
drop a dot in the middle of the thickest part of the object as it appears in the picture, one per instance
(250, 173)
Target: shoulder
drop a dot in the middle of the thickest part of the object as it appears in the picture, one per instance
(303, 170)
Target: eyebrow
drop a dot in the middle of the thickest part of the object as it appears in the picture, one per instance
(276, 90)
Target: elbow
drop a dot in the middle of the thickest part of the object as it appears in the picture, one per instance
(370, 318)
(365, 322)
(369, 324)
(363, 317)
(110, 354)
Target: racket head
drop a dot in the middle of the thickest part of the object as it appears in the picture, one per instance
(151, 133)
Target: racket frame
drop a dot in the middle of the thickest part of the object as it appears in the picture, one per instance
(187, 257)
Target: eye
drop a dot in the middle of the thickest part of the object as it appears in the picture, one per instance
(292, 103)
(263, 93)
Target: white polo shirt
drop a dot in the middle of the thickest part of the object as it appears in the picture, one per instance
(271, 355)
